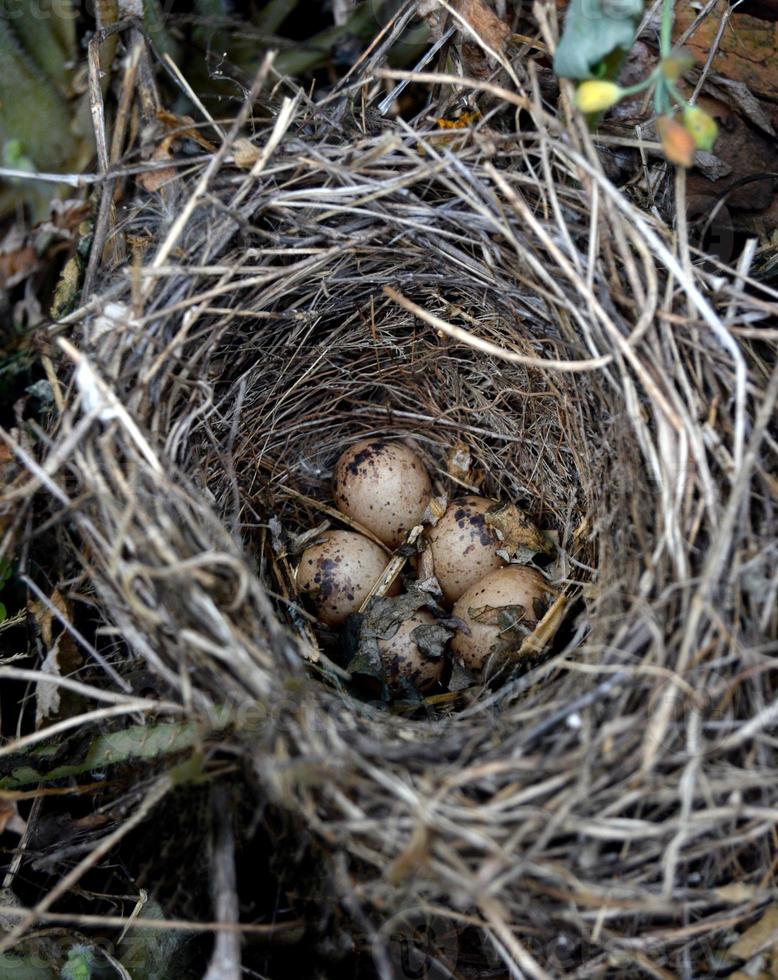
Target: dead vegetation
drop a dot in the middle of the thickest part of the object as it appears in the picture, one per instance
(610, 812)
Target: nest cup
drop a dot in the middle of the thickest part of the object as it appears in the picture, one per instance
(370, 369)
(223, 400)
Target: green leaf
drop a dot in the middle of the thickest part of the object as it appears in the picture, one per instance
(593, 30)
(137, 743)
(316, 50)
(79, 965)
(154, 21)
(148, 952)
(34, 117)
(46, 31)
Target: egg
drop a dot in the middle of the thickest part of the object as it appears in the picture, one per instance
(495, 610)
(463, 546)
(402, 658)
(384, 486)
(339, 572)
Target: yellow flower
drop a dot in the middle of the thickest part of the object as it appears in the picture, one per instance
(677, 142)
(595, 95)
(702, 127)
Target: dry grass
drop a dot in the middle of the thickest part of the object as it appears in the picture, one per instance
(364, 277)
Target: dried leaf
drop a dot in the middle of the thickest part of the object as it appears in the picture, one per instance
(10, 819)
(386, 614)
(459, 462)
(506, 617)
(381, 620)
(516, 626)
(425, 567)
(245, 153)
(433, 14)
(45, 616)
(62, 658)
(520, 539)
(761, 975)
(760, 936)
(736, 892)
(184, 126)
(485, 23)
(17, 265)
(91, 821)
(431, 639)
(277, 535)
(68, 287)
(461, 678)
(66, 216)
(153, 180)
(366, 665)
(713, 167)
(434, 510)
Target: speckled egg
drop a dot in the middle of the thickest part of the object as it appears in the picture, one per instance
(495, 609)
(339, 572)
(384, 486)
(463, 546)
(401, 656)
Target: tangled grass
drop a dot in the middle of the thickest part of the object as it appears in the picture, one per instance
(612, 811)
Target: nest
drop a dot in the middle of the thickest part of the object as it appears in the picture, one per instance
(592, 814)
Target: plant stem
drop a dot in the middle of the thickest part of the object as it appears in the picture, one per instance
(676, 94)
(640, 86)
(658, 98)
(666, 35)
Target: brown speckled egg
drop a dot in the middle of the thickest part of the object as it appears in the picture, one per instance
(486, 607)
(383, 485)
(401, 656)
(463, 547)
(339, 572)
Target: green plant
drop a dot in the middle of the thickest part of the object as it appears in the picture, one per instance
(592, 48)
(5, 574)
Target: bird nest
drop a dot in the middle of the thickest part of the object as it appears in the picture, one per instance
(485, 295)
